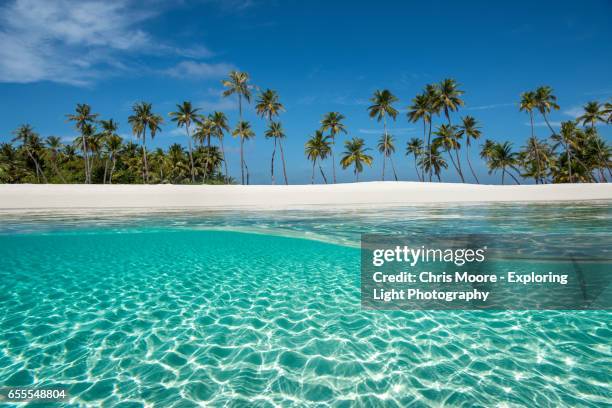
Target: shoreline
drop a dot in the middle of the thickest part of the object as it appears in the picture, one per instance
(275, 197)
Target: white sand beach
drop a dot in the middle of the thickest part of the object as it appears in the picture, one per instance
(69, 196)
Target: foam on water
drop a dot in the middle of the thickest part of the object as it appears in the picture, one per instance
(161, 311)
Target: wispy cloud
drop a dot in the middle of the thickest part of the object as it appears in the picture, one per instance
(78, 41)
(492, 106)
(198, 70)
(394, 131)
(574, 111)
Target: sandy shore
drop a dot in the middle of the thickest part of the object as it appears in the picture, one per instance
(30, 196)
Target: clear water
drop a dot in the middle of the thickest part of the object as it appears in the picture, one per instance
(183, 309)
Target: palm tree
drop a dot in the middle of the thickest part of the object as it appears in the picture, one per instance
(29, 141)
(109, 129)
(113, 146)
(434, 162)
(332, 121)
(318, 147)
(83, 117)
(244, 132)
(204, 131)
(449, 97)
(447, 138)
(54, 145)
(238, 83)
(276, 131)
(535, 157)
(382, 106)
(386, 147)
(415, 147)
(566, 140)
(420, 110)
(600, 148)
(220, 126)
(142, 119)
(185, 115)
(607, 112)
(356, 155)
(545, 101)
(528, 103)
(502, 157)
(469, 128)
(593, 113)
(268, 107)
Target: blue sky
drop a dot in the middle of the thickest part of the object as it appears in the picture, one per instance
(319, 55)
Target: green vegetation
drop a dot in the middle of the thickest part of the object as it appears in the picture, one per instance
(574, 153)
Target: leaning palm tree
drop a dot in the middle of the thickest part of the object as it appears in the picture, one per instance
(449, 97)
(607, 112)
(502, 158)
(382, 106)
(356, 156)
(220, 126)
(593, 113)
(185, 115)
(268, 106)
(332, 121)
(29, 140)
(82, 117)
(318, 147)
(470, 129)
(54, 145)
(545, 102)
(420, 110)
(244, 132)
(415, 148)
(386, 147)
(276, 131)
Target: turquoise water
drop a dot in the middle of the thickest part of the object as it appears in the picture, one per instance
(236, 308)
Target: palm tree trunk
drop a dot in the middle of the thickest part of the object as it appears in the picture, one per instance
(105, 170)
(242, 160)
(548, 124)
(422, 176)
(385, 151)
(514, 178)
(280, 144)
(323, 174)
(536, 146)
(38, 168)
(333, 144)
(459, 164)
(314, 162)
(191, 155)
(416, 167)
(393, 168)
(247, 173)
(450, 154)
(272, 162)
(383, 169)
(87, 179)
(429, 149)
(470, 163)
(503, 174)
(146, 166)
(110, 177)
(356, 175)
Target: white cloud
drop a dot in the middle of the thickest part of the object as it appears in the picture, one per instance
(574, 111)
(199, 70)
(78, 41)
(492, 106)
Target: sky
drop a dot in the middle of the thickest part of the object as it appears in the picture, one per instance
(320, 56)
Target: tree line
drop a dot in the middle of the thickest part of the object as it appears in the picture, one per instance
(573, 153)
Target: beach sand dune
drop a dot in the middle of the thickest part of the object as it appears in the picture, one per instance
(68, 196)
